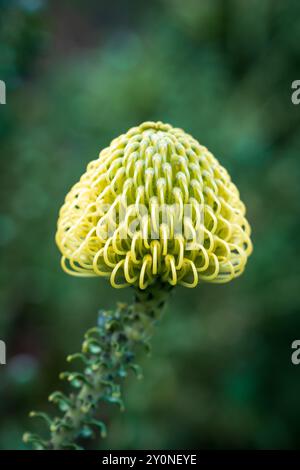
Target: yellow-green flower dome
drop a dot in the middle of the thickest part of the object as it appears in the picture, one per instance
(155, 205)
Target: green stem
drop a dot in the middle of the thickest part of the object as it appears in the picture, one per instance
(108, 353)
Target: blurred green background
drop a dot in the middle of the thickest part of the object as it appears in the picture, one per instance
(78, 74)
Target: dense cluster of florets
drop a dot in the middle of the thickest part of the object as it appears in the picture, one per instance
(155, 205)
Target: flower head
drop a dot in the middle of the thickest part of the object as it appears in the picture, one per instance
(155, 205)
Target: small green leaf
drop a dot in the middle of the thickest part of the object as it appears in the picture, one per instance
(44, 416)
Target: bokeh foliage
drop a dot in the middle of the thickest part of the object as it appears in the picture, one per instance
(80, 73)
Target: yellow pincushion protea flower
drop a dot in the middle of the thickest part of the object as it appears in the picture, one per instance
(155, 209)
(155, 206)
